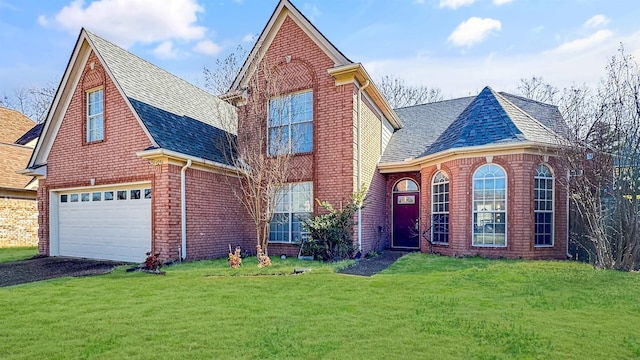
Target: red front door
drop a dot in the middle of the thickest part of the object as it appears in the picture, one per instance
(406, 220)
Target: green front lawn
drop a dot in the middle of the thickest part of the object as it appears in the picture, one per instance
(423, 307)
(17, 253)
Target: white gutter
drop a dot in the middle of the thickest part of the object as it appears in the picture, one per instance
(154, 153)
(359, 173)
(183, 209)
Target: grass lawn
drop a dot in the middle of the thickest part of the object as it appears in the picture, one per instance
(17, 253)
(423, 307)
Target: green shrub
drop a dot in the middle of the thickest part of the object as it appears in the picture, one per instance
(330, 233)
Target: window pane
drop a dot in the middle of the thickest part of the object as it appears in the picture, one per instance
(63, 198)
(84, 197)
(108, 195)
(302, 137)
(135, 194)
(122, 195)
(147, 193)
(97, 196)
(489, 205)
(74, 197)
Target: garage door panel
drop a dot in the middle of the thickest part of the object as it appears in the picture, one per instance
(105, 229)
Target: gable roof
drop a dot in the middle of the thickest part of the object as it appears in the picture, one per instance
(175, 114)
(30, 135)
(285, 9)
(486, 119)
(13, 124)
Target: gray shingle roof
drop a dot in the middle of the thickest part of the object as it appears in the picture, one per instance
(489, 118)
(179, 116)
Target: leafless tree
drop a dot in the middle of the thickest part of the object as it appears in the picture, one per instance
(399, 94)
(604, 165)
(536, 89)
(33, 102)
(261, 152)
(219, 77)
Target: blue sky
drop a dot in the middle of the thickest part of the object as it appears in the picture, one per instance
(459, 46)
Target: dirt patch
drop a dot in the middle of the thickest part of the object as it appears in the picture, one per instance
(372, 266)
(43, 268)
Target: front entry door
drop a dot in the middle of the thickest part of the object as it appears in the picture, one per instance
(406, 220)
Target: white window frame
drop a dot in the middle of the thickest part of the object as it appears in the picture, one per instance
(442, 179)
(290, 122)
(475, 211)
(536, 208)
(285, 204)
(95, 121)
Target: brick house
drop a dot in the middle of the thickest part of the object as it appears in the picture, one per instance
(18, 205)
(128, 159)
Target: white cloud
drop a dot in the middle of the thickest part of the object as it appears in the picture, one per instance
(583, 44)
(462, 76)
(454, 4)
(501, 2)
(249, 38)
(597, 20)
(207, 47)
(165, 50)
(127, 22)
(473, 31)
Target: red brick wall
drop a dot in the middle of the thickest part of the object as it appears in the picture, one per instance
(331, 164)
(72, 162)
(520, 215)
(215, 216)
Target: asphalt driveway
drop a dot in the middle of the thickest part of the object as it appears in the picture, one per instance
(37, 269)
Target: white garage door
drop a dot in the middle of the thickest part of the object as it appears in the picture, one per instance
(106, 223)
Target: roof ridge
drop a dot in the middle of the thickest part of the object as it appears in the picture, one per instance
(435, 102)
(524, 98)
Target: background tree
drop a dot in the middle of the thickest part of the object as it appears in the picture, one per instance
(604, 165)
(33, 102)
(399, 94)
(535, 88)
(219, 77)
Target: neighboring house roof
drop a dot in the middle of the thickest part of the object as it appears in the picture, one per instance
(175, 114)
(13, 124)
(488, 118)
(14, 157)
(31, 135)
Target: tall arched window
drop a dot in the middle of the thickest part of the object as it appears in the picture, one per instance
(489, 206)
(440, 208)
(543, 205)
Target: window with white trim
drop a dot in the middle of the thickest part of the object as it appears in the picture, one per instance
(543, 194)
(489, 206)
(294, 203)
(440, 208)
(95, 115)
(290, 123)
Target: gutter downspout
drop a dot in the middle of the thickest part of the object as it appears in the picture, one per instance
(359, 172)
(183, 209)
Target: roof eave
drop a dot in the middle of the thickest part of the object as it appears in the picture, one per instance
(357, 73)
(178, 158)
(415, 164)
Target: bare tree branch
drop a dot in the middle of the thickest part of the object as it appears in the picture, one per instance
(399, 94)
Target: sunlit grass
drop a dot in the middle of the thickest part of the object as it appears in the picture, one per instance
(17, 253)
(422, 307)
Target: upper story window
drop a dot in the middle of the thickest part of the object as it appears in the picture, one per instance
(543, 205)
(290, 123)
(489, 206)
(440, 208)
(95, 115)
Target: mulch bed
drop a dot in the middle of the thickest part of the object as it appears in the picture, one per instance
(372, 266)
(43, 268)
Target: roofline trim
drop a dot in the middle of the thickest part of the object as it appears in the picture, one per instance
(472, 151)
(180, 158)
(357, 73)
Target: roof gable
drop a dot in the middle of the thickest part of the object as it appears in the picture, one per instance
(285, 10)
(138, 80)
